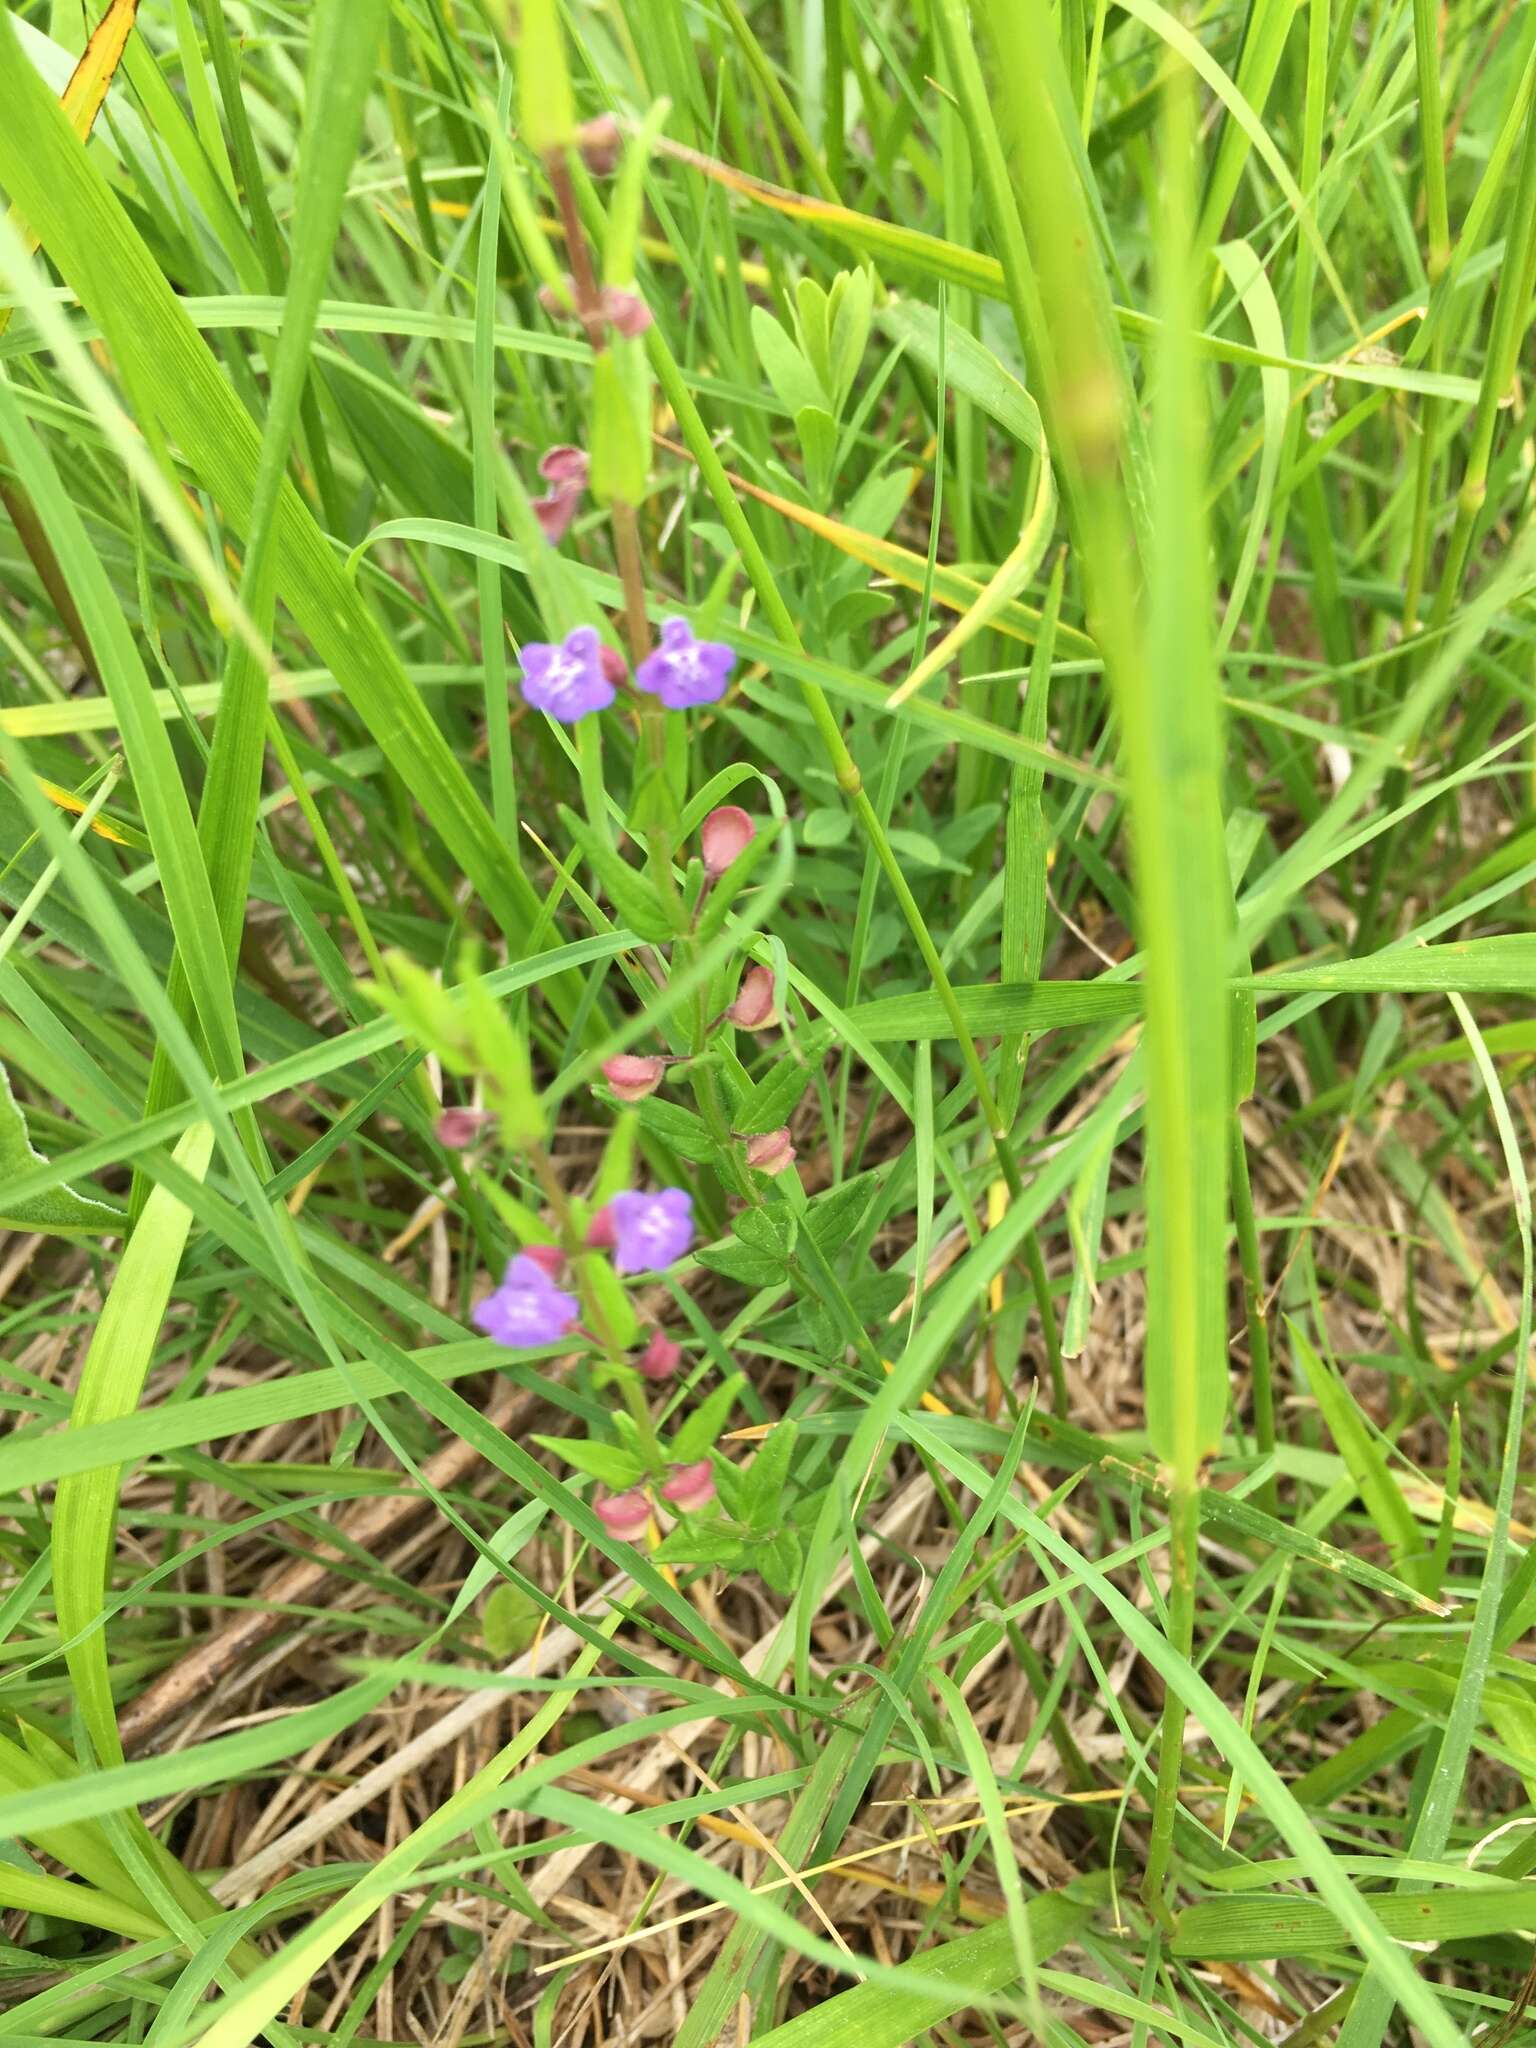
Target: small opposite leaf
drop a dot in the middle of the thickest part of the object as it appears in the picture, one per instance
(604, 1462)
(698, 1435)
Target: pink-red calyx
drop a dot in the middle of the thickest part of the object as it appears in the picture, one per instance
(624, 1515)
(771, 1151)
(724, 836)
(633, 1076)
(661, 1357)
(753, 1008)
(690, 1486)
(458, 1127)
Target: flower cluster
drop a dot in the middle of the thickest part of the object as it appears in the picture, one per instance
(644, 1232)
(579, 674)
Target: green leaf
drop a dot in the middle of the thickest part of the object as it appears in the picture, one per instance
(976, 1965)
(511, 1621)
(1037, 1006)
(969, 367)
(111, 1381)
(780, 1560)
(621, 431)
(770, 1102)
(1384, 1503)
(632, 894)
(793, 380)
(61, 1211)
(1250, 1929)
(818, 443)
(831, 824)
(739, 1262)
(615, 1468)
(763, 1482)
(88, 235)
(698, 1435)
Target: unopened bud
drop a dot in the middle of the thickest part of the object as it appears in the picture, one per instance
(457, 1128)
(753, 1008)
(623, 1514)
(690, 1486)
(725, 834)
(770, 1151)
(626, 312)
(632, 1077)
(661, 1357)
(600, 141)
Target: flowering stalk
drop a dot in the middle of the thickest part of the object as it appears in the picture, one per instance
(576, 1245)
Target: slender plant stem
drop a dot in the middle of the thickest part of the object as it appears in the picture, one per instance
(1260, 1362)
(1183, 1542)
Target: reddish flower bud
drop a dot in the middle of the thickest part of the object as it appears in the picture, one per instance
(690, 1486)
(753, 1008)
(623, 1514)
(632, 1077)
(547, 1257)
(661, 1357)
(615, 668)
(627, 312)
(770, 1151)
(600, 141)
(554, 512)
(457, 1128)
(558, 305)
(601, 1236)
(564, 464)
(725, 834)
(564, 469)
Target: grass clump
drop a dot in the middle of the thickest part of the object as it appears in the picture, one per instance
(767, 848)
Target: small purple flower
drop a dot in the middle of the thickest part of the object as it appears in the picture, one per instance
(650, 1231)
(684, 671)
(566, 681)
(527, 1308)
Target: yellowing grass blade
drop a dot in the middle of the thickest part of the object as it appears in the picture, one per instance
(91, 77)
(66, 800)
(953, 589)
(87, 90)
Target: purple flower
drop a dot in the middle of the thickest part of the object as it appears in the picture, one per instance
(527, 1308)
(684, 671)
(650, 1231)
(568, 680)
